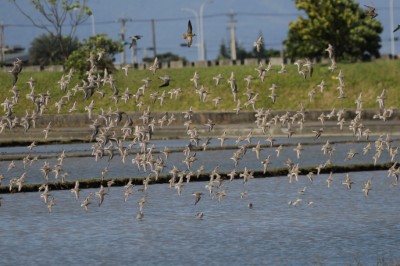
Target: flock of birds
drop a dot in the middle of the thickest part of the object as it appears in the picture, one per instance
(112, 129)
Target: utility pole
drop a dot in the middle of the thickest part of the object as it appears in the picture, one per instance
(123, 21)
(153, 30)
(392, 50)
(2, 57)
(233, 35)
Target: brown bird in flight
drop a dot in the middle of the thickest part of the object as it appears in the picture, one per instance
(188, 35)
(371, 11)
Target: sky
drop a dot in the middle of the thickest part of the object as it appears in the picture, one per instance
(251, 17)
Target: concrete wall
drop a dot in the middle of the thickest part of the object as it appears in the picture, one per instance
(172, 64)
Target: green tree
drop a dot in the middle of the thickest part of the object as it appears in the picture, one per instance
(165, 57)
(59, 18)
(241, 53)
(223, 51)
(100, 46)
(45, 50)
(341, 23)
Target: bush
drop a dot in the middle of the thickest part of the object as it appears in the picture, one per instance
(97, 45)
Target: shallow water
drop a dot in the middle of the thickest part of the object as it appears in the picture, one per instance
(86, 167)
(340, 227)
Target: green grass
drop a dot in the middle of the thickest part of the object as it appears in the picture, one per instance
(369, 78)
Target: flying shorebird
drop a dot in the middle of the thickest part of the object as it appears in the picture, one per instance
(188, 35)
(76, 189)
(198, 196)
(85, 203)
(348, 182)
(318, 133)
(166, 80)
(134, 40)
(17, 67)
(367, 187)
(258, 44)
(217, 79)
(371, 11)
(154, 66)
(330, 51)
(101, 193)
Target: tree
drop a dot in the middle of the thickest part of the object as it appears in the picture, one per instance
(99, 46)
(341, 23)
(45, 50)
(242, 53)
(59, 18)
(165, 57)
(223, 51)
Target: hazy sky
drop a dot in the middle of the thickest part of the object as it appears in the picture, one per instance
(270, 17)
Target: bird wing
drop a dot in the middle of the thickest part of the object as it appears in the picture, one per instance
(189, 30)
(370, 8)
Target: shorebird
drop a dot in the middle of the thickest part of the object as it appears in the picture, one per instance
(397, 28)
(350, 154)
(348, 182)
(11, 165)
(331, 51)
(85, 203)
(154, 66)
(299, 148)
(246, 175)
(199, 215)
(17, 67)
(278, 150)
(371, 11)
(76, 189)
(188, 35)
(258, 44)
(101, 193)
(329, 180)
(257, 150)
(367, 187)
(302, 191)
(321, 86)
(232, 175)
(310, 176)
(295, 203)
(318, 133)
(51, 203)
(266, 163)
(166, 80)
(217, 79)
(198, 196)
(139, 215)
(283, 69)
(134, 40)
(244, 194)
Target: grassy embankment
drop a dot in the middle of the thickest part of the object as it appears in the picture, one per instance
(369, 78)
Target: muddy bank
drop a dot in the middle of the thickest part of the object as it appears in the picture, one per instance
(162, 179)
